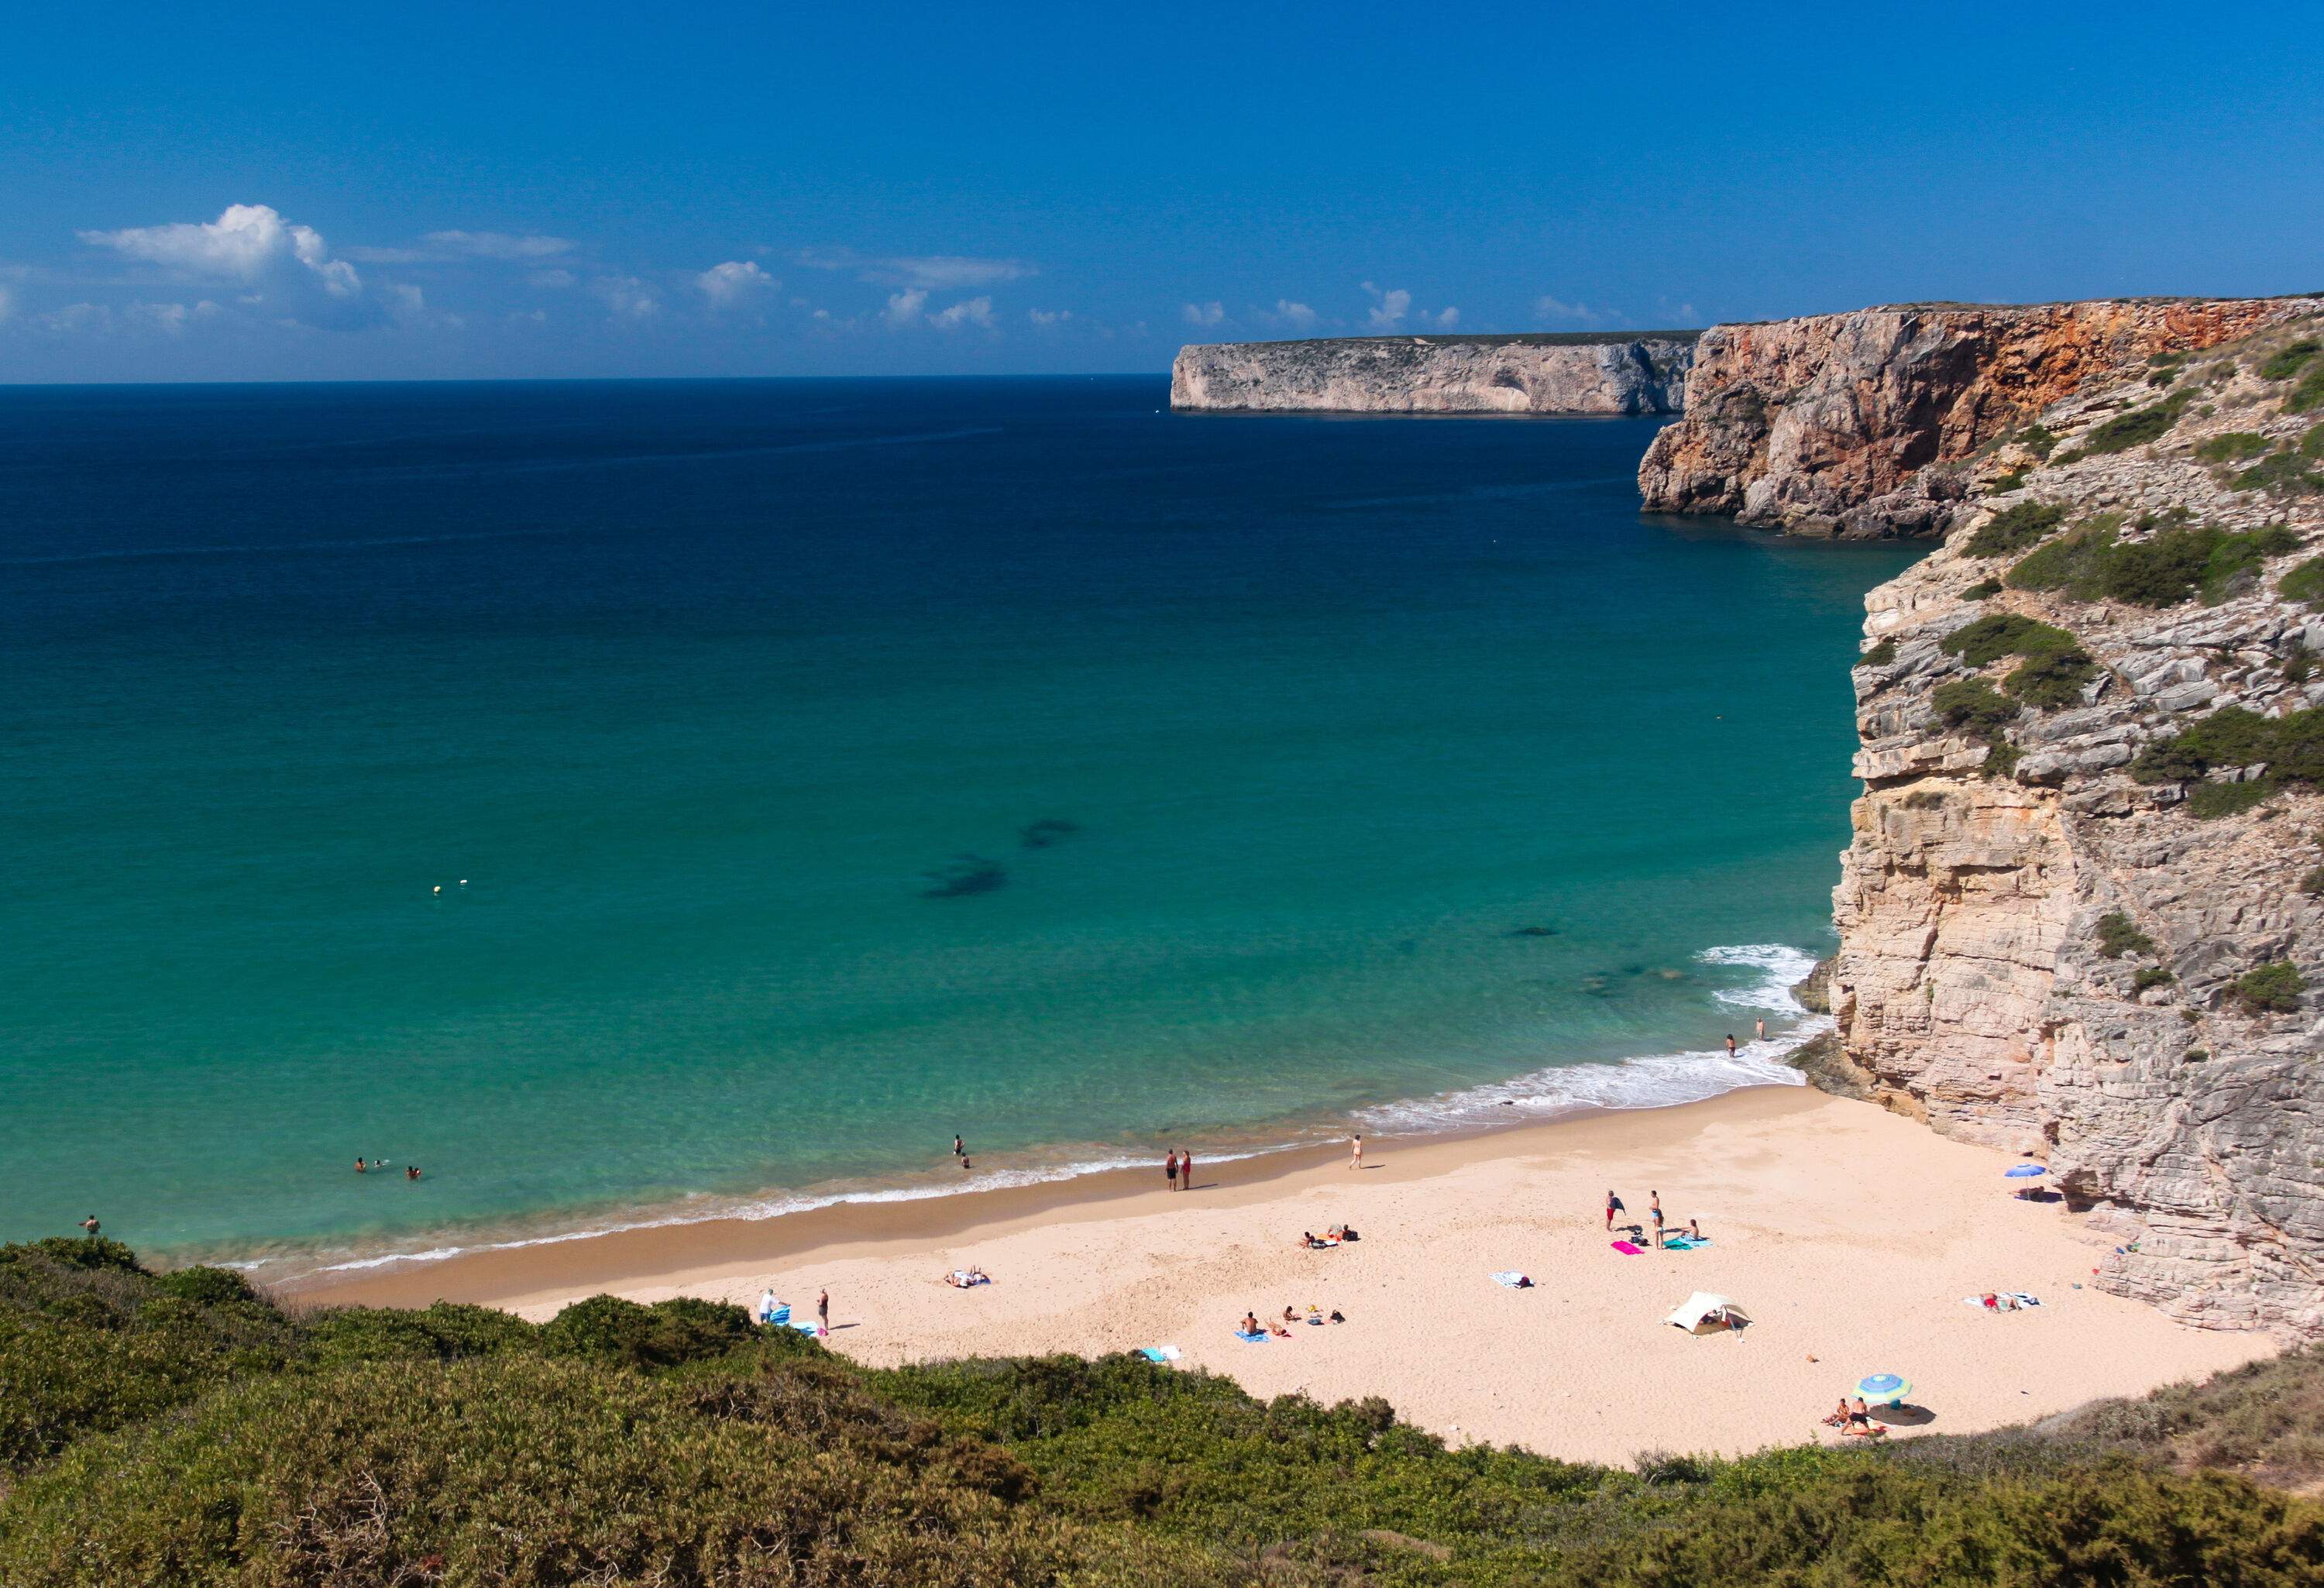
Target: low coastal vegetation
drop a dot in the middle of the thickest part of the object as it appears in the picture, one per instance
(2055, 671)
(2118, 936)
(2177, 561)
(2134, 429)
(2016, 528)
(181, 1429)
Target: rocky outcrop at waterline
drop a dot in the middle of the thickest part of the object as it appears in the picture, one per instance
(1620, 373)
(1856, 424)
(2082, 914)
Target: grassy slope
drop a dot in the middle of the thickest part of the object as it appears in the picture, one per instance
(179, 1429)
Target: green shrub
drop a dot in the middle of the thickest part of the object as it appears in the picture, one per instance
(2305, 583)
(2197, 1055)
(1973, 706)
(2038, 440)
(2007, 634)
(2015, 528)
(2056, 667)
(2312, 445)
(606, 1328)
(2150, 975)
(2285, 473)
(1880, 655)
(2177, 561)
(2232, 448)
(2001, 759)
(442, 1332)
(2312, 884)
(2119, 935)
(2309, 395)
(2273, 988)
(2209, 801)
(1981, 589)
(2289, 361)
(2013, 480)
(2136, 428)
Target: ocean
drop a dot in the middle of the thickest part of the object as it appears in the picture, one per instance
(638, 800)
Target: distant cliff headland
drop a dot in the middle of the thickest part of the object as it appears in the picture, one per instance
(1574, 373)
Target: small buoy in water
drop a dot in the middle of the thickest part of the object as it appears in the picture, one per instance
(438, 888)
(464, 881)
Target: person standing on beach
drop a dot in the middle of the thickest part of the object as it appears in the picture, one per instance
(1613, 1206)
(823, 1312)
(1760, 1028)
(1185, 1168)
(1170, 1169)
(1356, 1153)
(1655, 1212)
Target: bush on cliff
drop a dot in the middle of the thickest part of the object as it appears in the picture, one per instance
(2056, 667)
(2288, 360)
(2273, 988)
(1973, 706)
(2176, 561)
(2136, 428)
(2119, 935)
(2232, 446)
(2016, 528)
(2291, 747)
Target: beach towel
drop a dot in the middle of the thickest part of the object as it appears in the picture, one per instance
(1628, 1249)
(1682, 1243)
(1165, 1353)
(1512, 1279)
(1999, 1297)
(1258, 1339)
(804, 1326)
(781, 1315)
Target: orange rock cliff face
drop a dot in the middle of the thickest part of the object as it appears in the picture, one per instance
(1830, 424)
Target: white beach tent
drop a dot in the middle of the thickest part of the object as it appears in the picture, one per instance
(1702, 1312)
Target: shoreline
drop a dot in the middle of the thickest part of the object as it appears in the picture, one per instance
(520, 1274)
(1850, 1236)
(1638, 1082)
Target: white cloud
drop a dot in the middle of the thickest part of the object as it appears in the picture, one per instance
(1298, 316)
(1447, 318)
(974, 311)
(1202, 314)
(1048, 317)
(733, 283)
(921, 272)
(629, 298)
(248, 242)
(551, 278)
(1549, 310)
(904, 308)
(1388, 307)
(497, 245)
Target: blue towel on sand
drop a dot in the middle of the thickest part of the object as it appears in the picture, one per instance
(1258, 1339)
(1163, 1353)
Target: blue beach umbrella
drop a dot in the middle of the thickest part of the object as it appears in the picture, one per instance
(2023, 1171)
(1884, 1386)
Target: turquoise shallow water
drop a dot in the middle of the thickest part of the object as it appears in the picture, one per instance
(737, 704)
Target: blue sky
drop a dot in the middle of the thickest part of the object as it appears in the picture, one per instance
(456, 191)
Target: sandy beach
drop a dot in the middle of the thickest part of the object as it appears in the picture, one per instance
(1850, 1236)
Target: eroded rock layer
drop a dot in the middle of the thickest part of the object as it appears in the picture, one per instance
(1830, 424)
(1625, 374)
(2082, 916)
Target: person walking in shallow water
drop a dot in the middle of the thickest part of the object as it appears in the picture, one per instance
(90, 1224)
(958, 1151)
(1730, 1044)
(1759, 1029)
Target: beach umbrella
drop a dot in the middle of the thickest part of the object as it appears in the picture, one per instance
(2023, 1171)
(1884, 1386)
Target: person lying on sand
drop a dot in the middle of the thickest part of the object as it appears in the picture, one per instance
(1340, 1232)
(1279, 1332)
(1307, 1238)
(1336, 1317)
(965, 1279)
